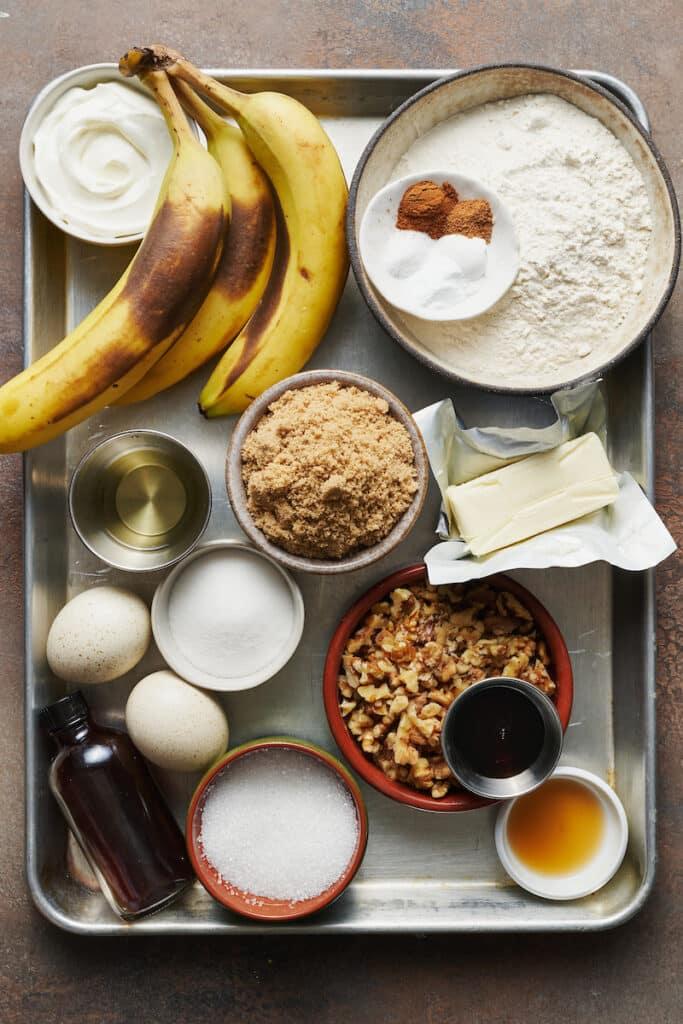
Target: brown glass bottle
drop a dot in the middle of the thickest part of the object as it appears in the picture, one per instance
(115, 810)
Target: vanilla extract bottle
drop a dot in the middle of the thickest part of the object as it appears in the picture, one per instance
(115, 811)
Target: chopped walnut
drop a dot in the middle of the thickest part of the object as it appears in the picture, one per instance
(413, 654)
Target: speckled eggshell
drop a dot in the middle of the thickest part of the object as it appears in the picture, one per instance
(175, 725)
(99, 635)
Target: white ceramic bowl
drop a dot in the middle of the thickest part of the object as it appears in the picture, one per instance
(502, 253)
(183, 666)
(597, 872)
(85, 78)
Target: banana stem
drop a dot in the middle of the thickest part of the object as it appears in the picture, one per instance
(159, 85)
(208, 120)
(142, 59)
(229, 100)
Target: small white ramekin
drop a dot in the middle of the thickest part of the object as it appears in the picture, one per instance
(85, 77)
(597, 872)
(176, 659)
(502, 257)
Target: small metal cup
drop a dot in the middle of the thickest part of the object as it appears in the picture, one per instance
(140, 500)
(514, 785)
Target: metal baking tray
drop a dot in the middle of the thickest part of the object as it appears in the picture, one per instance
(422, 872)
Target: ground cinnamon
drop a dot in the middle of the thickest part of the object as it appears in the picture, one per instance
(437, 210)
(424, 207)
(471, 217)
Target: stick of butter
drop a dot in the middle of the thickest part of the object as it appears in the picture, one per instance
(533, 495)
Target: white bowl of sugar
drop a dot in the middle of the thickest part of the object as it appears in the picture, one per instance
(228, 617)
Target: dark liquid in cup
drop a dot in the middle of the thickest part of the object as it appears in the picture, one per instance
(498, 733)
(116, 812)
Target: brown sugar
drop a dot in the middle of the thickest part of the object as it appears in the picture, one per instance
(328, 470)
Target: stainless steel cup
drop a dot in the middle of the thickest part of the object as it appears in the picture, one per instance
(140, 500)
(529, 778)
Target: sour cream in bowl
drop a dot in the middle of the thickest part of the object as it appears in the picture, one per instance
(93, 152)
(456, 276)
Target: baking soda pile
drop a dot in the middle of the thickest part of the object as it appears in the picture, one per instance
(279, 824)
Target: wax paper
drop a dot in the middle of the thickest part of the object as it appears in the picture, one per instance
(628, 533)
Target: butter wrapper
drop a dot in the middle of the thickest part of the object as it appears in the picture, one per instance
(628, 533)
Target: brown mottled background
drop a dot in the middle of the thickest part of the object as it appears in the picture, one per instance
(633, 974)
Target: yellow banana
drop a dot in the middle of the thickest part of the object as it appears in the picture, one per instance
(244, 267)
(144, 313)
(310, 263)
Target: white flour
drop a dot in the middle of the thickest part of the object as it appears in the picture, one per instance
(582, 216)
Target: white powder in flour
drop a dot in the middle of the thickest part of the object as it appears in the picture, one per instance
(582, 216)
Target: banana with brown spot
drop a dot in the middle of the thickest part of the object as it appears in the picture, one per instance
(311, 262)
(244, 267)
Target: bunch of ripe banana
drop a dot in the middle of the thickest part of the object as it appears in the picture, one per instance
(226, 264)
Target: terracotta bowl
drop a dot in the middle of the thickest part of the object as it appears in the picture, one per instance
(464, 90)
(241, 902)
(237, 490)
(459, 800)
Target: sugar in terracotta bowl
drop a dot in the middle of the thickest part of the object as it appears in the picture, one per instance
(459, 800)
(263, 908)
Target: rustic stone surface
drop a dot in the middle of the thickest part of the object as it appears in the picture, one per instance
(622, 976)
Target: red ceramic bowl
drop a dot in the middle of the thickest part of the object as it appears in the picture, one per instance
(243, 902)
(460, 800)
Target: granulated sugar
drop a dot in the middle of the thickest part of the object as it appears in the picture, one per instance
(231, 612)
(279, 824)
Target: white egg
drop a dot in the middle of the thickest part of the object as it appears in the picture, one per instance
(175, 725)
(99, 635)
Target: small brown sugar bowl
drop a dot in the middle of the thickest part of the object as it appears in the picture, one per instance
(237, 490)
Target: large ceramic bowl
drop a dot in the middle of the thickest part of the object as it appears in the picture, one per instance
(467, 89)
(458, 800)
(238, 495)
(262, 908)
